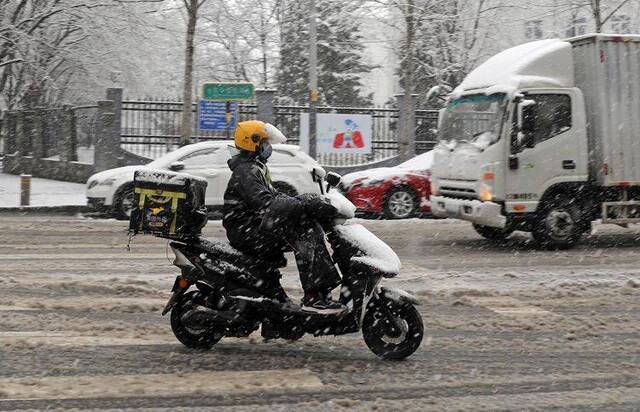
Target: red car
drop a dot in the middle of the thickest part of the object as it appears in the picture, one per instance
(397, 192)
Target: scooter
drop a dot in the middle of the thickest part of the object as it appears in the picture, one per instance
(223, 292)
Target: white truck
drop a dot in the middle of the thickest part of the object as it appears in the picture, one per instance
(544, 137)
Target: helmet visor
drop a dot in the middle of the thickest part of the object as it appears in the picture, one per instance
(274, 136)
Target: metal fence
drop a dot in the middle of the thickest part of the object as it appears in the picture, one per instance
(152, 128)
(42, 132)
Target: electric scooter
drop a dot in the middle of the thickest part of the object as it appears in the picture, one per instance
(222, 292)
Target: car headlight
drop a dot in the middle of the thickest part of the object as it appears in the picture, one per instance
(92, 184)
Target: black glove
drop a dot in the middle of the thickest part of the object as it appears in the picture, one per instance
(283, 210)
(317, 206)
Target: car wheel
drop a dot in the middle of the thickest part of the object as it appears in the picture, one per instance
(124, 202)
(401, 203)
(285, 188)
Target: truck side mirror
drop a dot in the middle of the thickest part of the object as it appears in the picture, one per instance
(441, 117)
(525, 124)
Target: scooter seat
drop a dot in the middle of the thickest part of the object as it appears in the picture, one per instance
(228, 253)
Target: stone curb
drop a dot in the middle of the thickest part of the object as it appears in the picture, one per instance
(54, 210)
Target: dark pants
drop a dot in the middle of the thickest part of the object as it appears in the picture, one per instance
(316, 269)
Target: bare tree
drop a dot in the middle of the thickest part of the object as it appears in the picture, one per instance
(600, 10)
(602, 15)
(44, 46)
(440, 39)
(243, 36)
(191, 7)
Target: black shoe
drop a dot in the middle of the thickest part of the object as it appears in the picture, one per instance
(321, 304)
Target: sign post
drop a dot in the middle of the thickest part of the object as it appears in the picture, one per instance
(227, 94)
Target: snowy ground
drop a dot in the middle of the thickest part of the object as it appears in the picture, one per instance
(44, 192)
(507, 327)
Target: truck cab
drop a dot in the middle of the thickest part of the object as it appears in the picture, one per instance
(513, 151)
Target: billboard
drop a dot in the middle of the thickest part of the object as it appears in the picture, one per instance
(213, 115)
(338, 133)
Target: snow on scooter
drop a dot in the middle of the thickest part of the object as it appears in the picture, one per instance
(222, 292)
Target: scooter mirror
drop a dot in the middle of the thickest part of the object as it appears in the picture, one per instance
(333, 179)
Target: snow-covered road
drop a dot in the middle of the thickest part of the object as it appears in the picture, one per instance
(506, 327)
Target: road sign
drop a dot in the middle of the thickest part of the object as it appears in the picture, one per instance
(227, 91)
(212, 115)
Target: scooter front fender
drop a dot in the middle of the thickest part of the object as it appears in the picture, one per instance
(398, 295)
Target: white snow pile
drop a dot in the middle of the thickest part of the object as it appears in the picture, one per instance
(415, 166)
(222, 246)
(544, 63)
(376, 253)
(44, 192)
(164, 177)
(344, 206)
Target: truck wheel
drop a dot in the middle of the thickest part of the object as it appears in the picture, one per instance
(492, 233)
(558, 225)
(401, 203)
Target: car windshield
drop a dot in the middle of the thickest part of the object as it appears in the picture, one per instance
(174, 156)
(475, 119)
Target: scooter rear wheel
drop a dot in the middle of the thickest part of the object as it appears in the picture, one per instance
(203, 338)
(382, 337)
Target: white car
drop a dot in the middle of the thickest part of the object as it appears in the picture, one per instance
(291, 170)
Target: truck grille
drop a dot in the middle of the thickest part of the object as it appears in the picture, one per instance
(458, 192)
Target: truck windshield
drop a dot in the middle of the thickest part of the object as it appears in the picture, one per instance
(475, 119)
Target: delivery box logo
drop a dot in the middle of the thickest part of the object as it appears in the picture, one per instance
(350, 138)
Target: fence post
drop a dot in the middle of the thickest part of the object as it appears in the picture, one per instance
(68, 153)
(264, 103)
(107, 146)
(25, 190)
(406, 126)
(38, 137)
(115, 95)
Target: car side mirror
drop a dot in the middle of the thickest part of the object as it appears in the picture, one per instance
(333, 179)
(176, 166)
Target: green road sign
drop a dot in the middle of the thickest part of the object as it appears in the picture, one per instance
(227, 91)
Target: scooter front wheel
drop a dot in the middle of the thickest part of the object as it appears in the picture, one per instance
(392, 330)
(194, 338)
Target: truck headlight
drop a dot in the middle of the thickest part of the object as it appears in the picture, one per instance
(485, 194)
(434, 188)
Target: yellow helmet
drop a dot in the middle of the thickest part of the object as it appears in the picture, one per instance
(249, 134)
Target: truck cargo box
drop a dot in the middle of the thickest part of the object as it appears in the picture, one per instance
(607, 70)
(168, 204)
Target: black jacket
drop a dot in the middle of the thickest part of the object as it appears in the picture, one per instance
(249, 192)
(248, 196)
